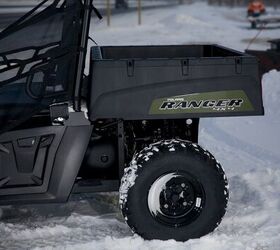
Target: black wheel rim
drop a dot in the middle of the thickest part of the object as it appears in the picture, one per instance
(176, 199)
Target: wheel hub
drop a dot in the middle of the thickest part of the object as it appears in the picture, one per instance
(173, 197)
(177, 198)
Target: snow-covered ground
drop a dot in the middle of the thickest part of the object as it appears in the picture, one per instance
(196, 23)
(247, 147)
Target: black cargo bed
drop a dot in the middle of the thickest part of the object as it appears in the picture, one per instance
(165, 52)
(179, 81)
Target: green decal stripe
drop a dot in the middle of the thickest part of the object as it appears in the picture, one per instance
(246, 105)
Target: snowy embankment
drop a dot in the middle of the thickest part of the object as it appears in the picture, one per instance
(247, 147)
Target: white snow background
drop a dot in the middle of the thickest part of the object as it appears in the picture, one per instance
(247, 147)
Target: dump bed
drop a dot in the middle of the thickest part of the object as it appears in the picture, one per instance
(167, 82)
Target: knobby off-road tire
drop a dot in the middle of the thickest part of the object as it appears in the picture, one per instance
(173, 190)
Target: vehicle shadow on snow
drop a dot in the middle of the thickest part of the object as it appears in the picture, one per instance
(85, 204)
(242, 196)
(243, 213)
(84, 218)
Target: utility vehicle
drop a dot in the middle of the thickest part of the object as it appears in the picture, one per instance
(130, 124)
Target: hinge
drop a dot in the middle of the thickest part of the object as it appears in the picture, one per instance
(238, 65)
(130, 68)
(185, 67)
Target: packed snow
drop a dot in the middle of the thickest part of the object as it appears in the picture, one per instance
(247, 147)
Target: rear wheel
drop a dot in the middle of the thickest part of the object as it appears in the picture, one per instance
(173, 190)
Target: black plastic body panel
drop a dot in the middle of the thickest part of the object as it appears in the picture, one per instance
(60, 165)
(27, 167)
(126, 80)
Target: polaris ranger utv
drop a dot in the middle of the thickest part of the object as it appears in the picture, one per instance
(130, 124)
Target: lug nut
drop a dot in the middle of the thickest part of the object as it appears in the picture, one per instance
(183, 185)
(185, 203)
(165, 205)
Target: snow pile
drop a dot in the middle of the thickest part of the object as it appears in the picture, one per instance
(271, 87)
(247, 147)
